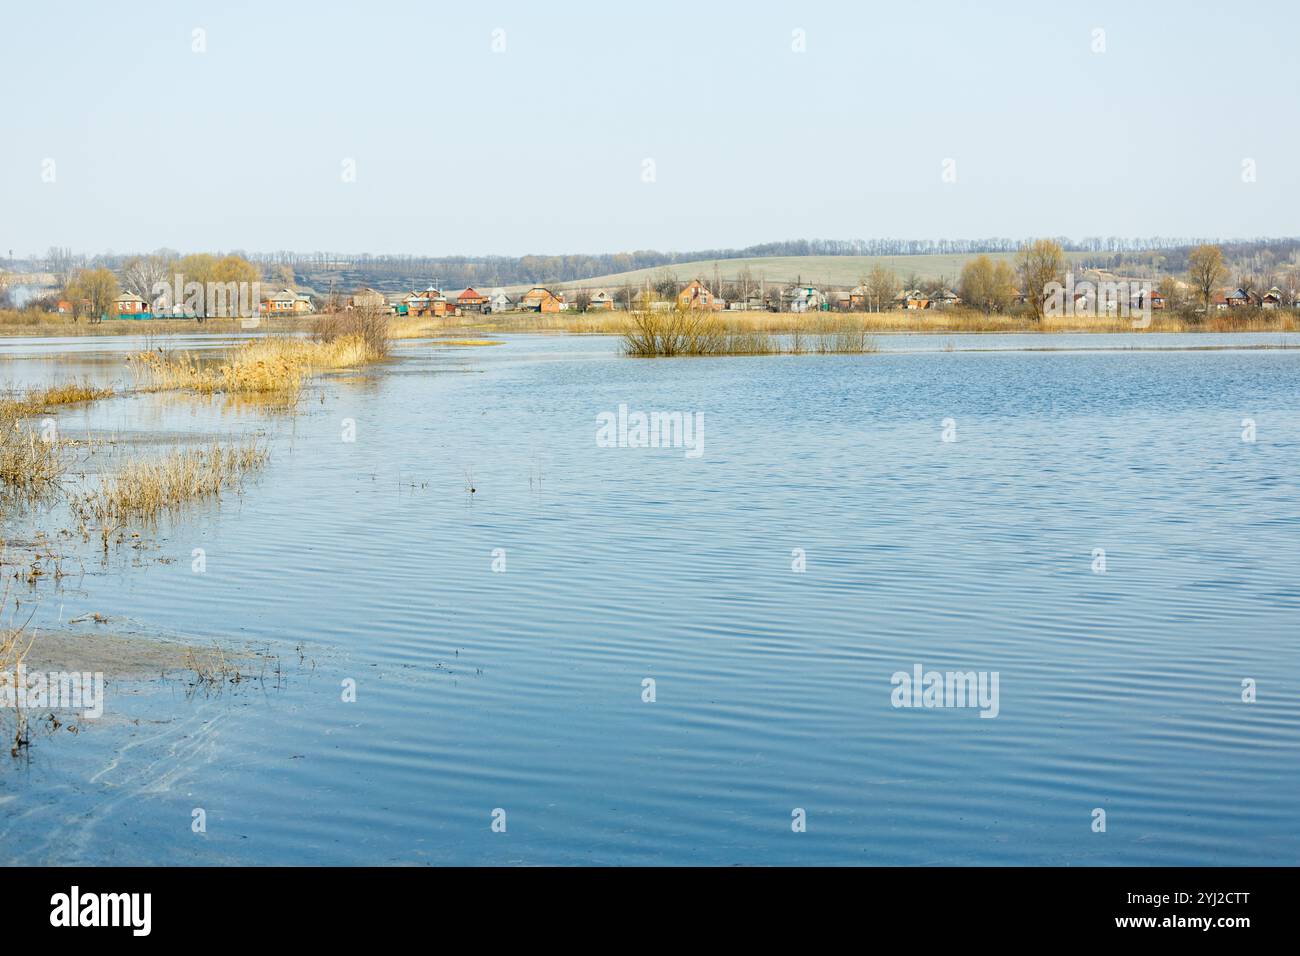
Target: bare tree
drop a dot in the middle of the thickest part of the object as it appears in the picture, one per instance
(881, 285)
(1205, 270)
(142, 273)
(1039, 263)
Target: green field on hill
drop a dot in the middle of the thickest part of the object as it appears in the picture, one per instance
(826, 271)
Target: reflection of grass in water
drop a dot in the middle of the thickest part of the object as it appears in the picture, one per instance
(144, 490)
(15, 642)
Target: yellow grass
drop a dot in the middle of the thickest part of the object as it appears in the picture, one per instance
(28, 462)
(415, 327)
(32, 322)
(953, 320)
(144, 489)
(269, 366)
(691, 332)
(37, 400)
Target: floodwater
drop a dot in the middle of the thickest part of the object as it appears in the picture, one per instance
(519, 693)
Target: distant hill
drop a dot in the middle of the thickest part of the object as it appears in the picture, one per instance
(827, 271)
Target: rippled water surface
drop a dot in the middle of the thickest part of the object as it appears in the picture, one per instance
(371, 560)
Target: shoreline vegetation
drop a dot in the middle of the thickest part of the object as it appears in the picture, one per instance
(272, 366)
(473, 328)
(693, 332)
(34, 461)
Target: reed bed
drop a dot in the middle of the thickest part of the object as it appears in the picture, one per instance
(29, 460)
(37, 400)
(694, 332)
(145, 490)
(273, 367)
(952, 320)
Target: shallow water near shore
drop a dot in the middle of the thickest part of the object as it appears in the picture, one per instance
(372, 561)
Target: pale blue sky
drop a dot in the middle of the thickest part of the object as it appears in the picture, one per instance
(540, 148)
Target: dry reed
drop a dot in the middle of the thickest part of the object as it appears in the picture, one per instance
(144, 490)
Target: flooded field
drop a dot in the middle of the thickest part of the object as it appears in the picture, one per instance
(438, 604)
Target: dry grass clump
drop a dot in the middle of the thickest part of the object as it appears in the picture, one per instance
(29, 460)
(694, 332)
(212, 668)
(14, 645)
(413, 327)
(372, 327)
(266, 366)
(146, 489)
(69, 393)
(37, 400)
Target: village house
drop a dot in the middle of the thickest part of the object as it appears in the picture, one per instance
(805, 298)
(1272, 299)
(696, 295)
(466, 300)
(429, 302)
(367, 298)
(1237, 298)
(944, 300)
(1219, 301)
(859, 297)
(498, 301)
(286, 302)
(131, 306)
(601, 299)
(1142, 297)
(911, 299)
(540, 299)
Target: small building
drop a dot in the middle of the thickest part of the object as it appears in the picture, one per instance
(1237, 298)
(911, 299)
(498, 301)
(1219, 301)
(1144, 297)
(805, 298)
(859, 297)
(601, 299)
(944, 300)
(367, 298)
(696, 295)
(286, 302)
(465, 300)
(131, 306)
(1272, 299)
(429, 302)
(540, 299)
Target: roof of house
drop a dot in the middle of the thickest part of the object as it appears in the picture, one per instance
(129, 297)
